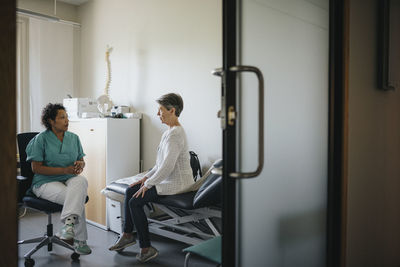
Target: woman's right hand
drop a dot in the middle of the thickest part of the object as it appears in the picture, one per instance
(38, 167)
(141, 182)
(69, 170)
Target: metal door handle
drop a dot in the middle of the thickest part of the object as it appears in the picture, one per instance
(260, 122)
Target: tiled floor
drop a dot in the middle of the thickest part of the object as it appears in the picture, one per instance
(33, 224)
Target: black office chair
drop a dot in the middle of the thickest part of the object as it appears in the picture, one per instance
(30, 201)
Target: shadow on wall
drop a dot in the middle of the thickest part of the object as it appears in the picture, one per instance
(150, 136)
(299, 235)
(206, 163)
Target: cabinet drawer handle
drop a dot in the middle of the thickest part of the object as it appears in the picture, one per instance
(91, 130)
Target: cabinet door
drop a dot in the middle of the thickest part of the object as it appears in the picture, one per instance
(93, 138)
(123, 148)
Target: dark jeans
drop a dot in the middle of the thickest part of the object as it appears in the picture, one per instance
(134, 213)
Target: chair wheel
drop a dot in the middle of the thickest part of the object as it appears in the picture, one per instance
(120, 250)
(75, 256)
(29, 262)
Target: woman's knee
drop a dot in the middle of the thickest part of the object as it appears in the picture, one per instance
(130, 191)
(81, 180)
(136, 202)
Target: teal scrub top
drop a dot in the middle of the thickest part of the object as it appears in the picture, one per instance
(47, 148)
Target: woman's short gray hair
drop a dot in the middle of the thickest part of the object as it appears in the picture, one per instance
(171, 100)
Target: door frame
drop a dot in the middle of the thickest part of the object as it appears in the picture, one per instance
(337, 139)
(8, 162)
(229, 195)
(338, 131)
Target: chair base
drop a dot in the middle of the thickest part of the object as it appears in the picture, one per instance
(48, 239)
(43, 241)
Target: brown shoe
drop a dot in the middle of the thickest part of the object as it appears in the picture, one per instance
(150, 254)
(123, 242)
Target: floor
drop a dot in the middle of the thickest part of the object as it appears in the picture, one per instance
(33, 224)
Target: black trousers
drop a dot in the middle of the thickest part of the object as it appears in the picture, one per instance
(135, 215)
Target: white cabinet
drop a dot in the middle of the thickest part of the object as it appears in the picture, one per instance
(115, 214)
(112, 148)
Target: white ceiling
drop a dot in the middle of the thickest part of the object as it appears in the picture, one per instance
(73, 2)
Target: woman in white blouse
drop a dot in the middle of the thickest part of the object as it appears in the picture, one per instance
(171, 174)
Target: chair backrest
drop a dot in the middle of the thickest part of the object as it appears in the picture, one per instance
(26, 168)
(210, 192)
(195, 164)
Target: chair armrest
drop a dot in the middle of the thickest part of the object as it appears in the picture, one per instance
(23, 183)
(21, 178)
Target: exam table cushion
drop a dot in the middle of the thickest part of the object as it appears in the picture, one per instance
(209, 194)
(182, 201)
(117, 187)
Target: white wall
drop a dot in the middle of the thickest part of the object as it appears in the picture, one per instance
(373, 215)
(158, 47)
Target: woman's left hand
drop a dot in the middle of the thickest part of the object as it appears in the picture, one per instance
(141, 182)
(142, 190)
(78, 166)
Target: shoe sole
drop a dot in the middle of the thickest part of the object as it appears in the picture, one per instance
(81, 253)
(152, 257)
(68, 241)
(124, 246)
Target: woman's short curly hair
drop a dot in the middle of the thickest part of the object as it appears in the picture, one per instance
(171, 100)
(50, 112)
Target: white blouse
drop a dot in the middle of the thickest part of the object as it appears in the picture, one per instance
(172, 172)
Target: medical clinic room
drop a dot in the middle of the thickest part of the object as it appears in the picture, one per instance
(196, 133)
(115, 78)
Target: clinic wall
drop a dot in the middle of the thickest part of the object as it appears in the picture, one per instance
(158, 47)
(63, 10)
(373, 218)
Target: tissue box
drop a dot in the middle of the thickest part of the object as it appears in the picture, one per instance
(76, 106)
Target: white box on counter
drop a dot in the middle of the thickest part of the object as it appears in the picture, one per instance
(76, 106)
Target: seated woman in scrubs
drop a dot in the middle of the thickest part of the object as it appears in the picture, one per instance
(57, 161)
